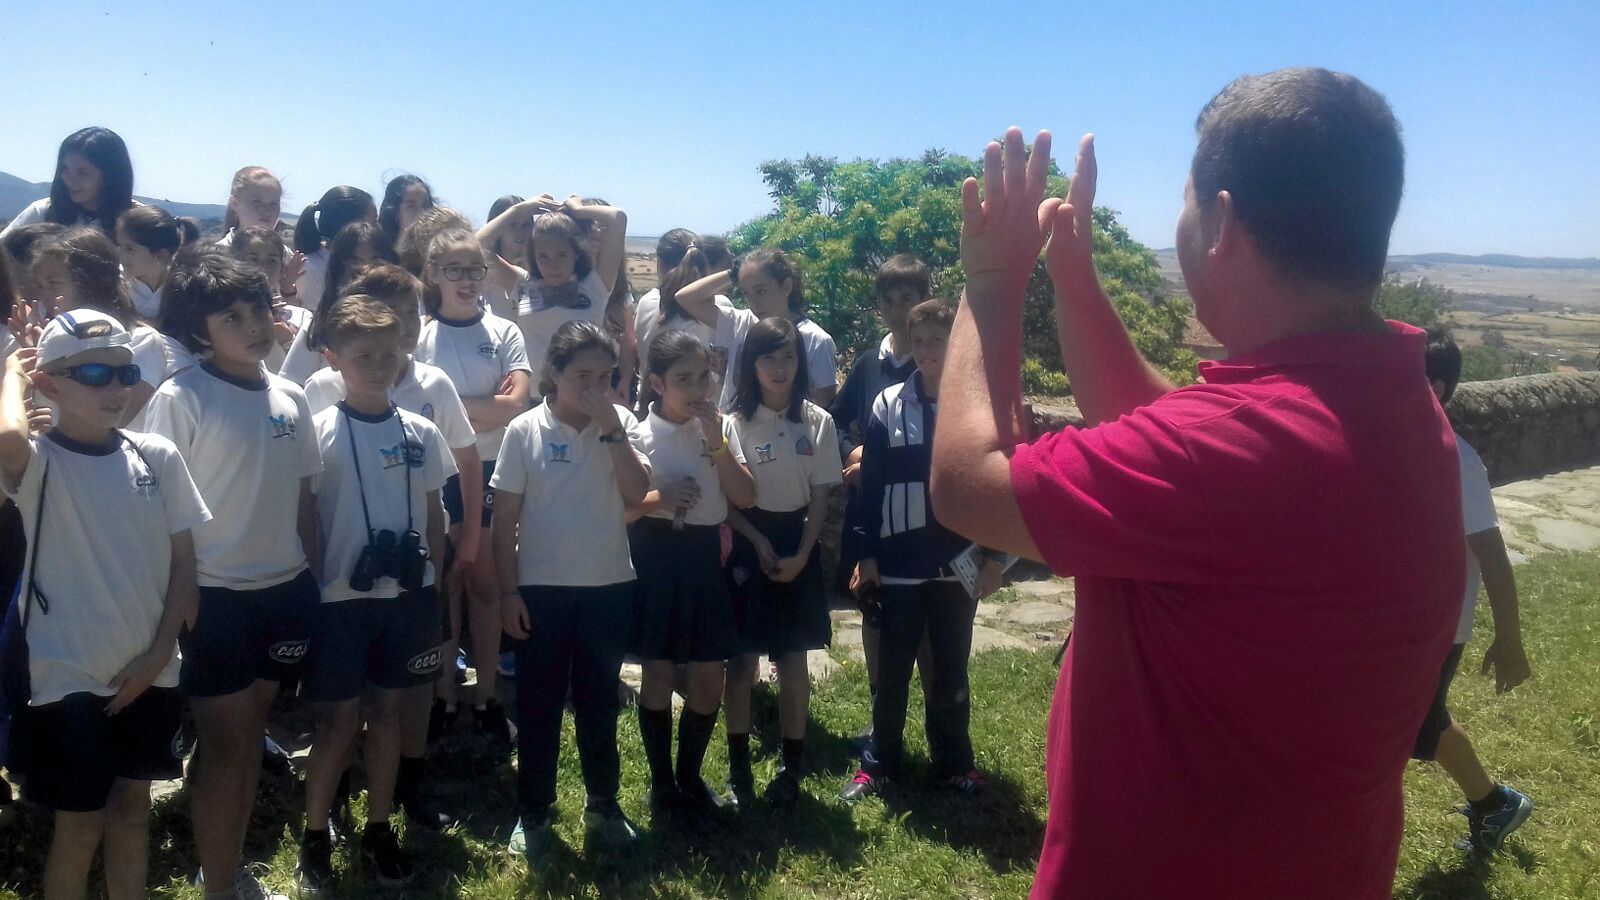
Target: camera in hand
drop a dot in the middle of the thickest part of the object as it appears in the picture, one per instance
(388, 556)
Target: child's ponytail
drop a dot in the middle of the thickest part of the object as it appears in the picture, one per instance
(693, 268)
(307, 239)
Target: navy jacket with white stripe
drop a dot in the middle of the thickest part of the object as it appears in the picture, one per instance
(896, 525)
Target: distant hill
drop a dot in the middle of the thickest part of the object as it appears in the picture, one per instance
(1501, 260)
(15, 194)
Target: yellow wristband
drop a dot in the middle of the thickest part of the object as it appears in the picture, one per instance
(722, 448)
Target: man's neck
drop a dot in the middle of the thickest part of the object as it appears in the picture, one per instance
(1284, 311)
(81, 431)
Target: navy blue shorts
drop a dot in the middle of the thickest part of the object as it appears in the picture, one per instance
(1438, 718)
(70, 752)
(390, 643)
(240, 637)
(451, 495)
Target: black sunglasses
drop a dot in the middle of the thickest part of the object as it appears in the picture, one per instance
(100, 374)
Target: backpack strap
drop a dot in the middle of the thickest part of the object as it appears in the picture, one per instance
(29, 592)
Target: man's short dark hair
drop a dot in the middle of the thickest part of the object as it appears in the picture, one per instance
(1443, 361)
(1315, 167)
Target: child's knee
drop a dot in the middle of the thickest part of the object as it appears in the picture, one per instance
(129, 805)
(79, 832)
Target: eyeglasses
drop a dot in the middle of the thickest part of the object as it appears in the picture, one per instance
(468, 273)
(100, 374)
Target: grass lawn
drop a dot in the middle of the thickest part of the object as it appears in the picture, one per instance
(925, 842)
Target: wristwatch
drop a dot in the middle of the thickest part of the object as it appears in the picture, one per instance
(614, 436)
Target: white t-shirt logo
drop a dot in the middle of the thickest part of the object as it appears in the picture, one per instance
(558, 452)
(486, 350)
(281, 426)
(764, 454)
(803, 446)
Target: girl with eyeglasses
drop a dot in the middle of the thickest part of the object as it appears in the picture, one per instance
(563, 281)
(486, 359)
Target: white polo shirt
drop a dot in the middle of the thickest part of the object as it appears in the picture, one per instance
(105, 556)
(476, 355)
(787, 459)
(247, 444)
(538, 317)
(308, 287)
(1477, 512)
(299, 362)
(387, 466)
(732, 326)
(573, 528)
(423, 389)
(679, 450)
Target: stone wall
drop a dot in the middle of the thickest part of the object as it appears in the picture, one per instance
(1532, 425)
(1522, 427)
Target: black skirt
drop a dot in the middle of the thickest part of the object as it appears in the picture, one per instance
(681, 608)
(777, 617)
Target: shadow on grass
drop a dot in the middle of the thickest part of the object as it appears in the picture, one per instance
(996, 824)
(1467, 879)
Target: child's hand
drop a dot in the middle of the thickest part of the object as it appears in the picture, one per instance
(136, 678)
(710, 423)
(681, 494)
(1003, 230)
(507, 386)
(866, 575)
(282, 329)
(514, 616)
(1509, 662)
(24, 325)
(787, 569)
(292, 270)
(990, 578)
(596, 402)
(21, 363)
(765, 555)
(466, 552)
(40, 418)
(852, 468)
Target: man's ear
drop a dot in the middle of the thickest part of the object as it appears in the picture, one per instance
(1229, 233)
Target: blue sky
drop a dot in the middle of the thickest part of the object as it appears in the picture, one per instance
(667, 109)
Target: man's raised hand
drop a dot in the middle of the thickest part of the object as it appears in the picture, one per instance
(1003, 231)
(1070, 225)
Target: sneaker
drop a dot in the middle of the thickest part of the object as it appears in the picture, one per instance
(864, 784)
(507, 666)
(441, 719)
(313, 873)
(858, 744)
(741, 788)
(461, 667)
(784, 790)
(492, 721)
(249, 887)
(606, 820)
(700, 798)
(972, 784)
(532, 836)
(1487, 831)
(420, 816)
(387, 863)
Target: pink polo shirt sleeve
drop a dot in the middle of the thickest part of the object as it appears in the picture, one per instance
(1124, 499)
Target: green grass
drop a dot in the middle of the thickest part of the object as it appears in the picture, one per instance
(923, 842)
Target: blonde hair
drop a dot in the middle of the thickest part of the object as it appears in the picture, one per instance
(242, 179)
(358, 315)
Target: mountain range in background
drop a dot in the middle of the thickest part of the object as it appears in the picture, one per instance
(16, 194)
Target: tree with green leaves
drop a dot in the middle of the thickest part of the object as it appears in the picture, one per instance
(840, 221)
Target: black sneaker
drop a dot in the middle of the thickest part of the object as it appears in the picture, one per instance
(313, 873)
(387, 863)
(492, 721)
(605, 820)
(863, 784)
(700, 798)
(418, 815)
(784, 790)
(532, 837)
(741, 788)
(441, 720)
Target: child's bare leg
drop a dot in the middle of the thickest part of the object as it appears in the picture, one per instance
(66, 866)
(127, 839)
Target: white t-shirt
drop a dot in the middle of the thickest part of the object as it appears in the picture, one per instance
(476, 355)
(424, 390)
(146, 299)
(300, 362)
(679, 450)
(539, 319)
(647, 323)
(385, 471)
(734, 324)
(105, 556)
(1477, 511)
(573, 528)
(789, 459)
(248, 444)
(308, 287)
(32, 214)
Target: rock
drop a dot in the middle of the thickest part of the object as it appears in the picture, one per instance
(986, 638)
(1039, 612)
(1530, 425)
(1560, 534)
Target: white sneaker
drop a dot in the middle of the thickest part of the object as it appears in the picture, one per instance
(249, 887)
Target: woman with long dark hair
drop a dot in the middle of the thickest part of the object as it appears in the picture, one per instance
(93, 183)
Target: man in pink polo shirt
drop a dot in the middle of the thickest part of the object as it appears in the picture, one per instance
(1269, 564)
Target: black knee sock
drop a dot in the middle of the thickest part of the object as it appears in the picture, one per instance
(655, 730)
(738, 754)
(408, 781)
(343, 793)
(794, 756)
(694, 735)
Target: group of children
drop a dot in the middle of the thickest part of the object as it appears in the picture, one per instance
(278, 469)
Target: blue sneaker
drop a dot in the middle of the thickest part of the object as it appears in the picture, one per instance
(461, 667)
(508, 665)
(1488, 830)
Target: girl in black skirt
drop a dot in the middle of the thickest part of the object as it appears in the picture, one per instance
(780, 602)
(682, 612)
